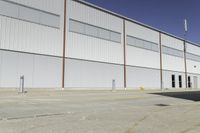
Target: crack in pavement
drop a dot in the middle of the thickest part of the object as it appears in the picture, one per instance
(190, 129)
(130, 130)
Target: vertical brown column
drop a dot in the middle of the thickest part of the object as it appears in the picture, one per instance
(64, 44)
(185, 62)
(161, 66)
(124, 41)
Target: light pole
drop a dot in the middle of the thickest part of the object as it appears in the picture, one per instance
(185, 51)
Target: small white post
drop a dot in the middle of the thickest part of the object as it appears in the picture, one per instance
(21, 85)
(113, 85)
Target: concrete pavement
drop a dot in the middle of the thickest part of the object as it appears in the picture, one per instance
(96, 112)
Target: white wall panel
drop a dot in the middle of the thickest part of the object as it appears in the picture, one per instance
(173, 63)
(193, 66)
(8, 9)
(170, 62)
(142, 32)
(93, 16)
(28, 37)
(141, 77)
(47, 72)
(26, 65)
(29, 14)
(86, 74)
(193, 49)
(141, 57)
(9, 69)
(54, 6)
(39, 71)
(172, 42)
(1, 54)
(90, 48)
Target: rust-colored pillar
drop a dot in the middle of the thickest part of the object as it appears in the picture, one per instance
(185, 62)
(64, 44)
(124, 42)
(161, 63)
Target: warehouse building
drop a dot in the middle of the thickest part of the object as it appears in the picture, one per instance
(74, 44)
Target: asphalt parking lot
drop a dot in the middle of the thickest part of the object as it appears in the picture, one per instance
(99, 112)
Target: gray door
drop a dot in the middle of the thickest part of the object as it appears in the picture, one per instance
(195, 78)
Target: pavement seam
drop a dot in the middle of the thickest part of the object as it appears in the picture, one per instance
(48, 115)
(19, 118)
(34, 116)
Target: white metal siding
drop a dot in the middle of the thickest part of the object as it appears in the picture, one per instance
(47, 72)
(39, 71)
(142, 77)
(138, 56)
(28, 37)
(93, 16)
(172, 42)
(193, 49)
(142, 32)
(141, 57)
(86, 74)
(173, 63)
(90, 48)
(9, 69)
(24, 36)
(193, 66)
(170, 62)
(53, 6)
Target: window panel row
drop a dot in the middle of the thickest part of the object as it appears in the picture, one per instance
(136, 42)
(25, 13)
(193, 57)
(172, 51)
(94, 31)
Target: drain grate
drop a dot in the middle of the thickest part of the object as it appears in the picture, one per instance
(162, 105)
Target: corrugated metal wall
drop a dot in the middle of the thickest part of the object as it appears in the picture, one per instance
(19, 35)
(95, 75)
(92, 61)
(39, 71)
(142, 57)
(90, 48)
(38, 41)
(54, 6)
(193, 66)
(173, 63)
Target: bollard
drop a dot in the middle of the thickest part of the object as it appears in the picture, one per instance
(21, 85)
(113, 85)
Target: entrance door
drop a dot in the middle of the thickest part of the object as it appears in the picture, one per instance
(195, 82)
(189, 82)
(180, 81)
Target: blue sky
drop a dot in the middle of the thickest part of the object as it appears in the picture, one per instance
(167, 15)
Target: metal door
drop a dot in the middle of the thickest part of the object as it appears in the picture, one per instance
(195, 78)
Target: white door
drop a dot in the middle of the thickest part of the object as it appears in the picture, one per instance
(195, 78)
